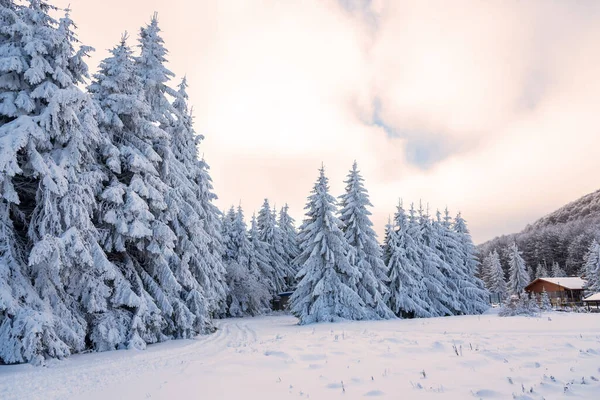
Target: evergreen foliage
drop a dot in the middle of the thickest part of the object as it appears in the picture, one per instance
(365, 253)
(591, 268)
(289, 242)
(326, 290)
(497, 283)
(271, 235)
(517, 273)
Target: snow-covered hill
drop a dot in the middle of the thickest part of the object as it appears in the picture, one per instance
(562, 236)
(480, 357)
(585, 209)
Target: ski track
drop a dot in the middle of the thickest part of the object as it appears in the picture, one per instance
(497, 358)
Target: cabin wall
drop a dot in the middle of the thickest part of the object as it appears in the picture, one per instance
(555, 291)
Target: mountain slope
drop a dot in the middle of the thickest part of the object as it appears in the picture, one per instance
(586, 208)
(562, 237)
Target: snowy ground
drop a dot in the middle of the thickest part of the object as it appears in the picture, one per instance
(485, 357)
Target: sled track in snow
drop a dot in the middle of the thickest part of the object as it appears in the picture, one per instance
(232, 335)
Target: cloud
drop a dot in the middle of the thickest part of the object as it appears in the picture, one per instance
(486, 107)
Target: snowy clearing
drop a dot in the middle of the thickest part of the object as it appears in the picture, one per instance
(271, 357)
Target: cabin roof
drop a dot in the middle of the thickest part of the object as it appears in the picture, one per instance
(594, 297)
(567, 282)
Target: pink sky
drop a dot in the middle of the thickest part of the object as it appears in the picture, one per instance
(487, 107)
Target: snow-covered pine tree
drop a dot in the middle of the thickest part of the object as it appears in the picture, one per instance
(259, 266)
(365, 253)
(441, 299)
(229, 248)
(325, 292)
(290, 269)
(484, 270)
(591, 268)
(192, 216)
(497, 283)
(545, 304)
(386, 248)
(289, 238)
(49, 176)
(271, 235)
(246, 294)
(557, 271)
(27, 326)
(541, 271)
(133, 202)
(406, 285)
(517, 271)
(154, 75)
(150, 68)
(473, 294)
(448, 249)
(530, 273)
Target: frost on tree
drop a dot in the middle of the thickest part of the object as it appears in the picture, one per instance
(473, 295)
(406, 284)
(54, 271)
(325, 292)
(496, 281)
(259, 266)
(541, 272)
(248, 293)
(192, 216)
(545, 304)
(484, 270)
(442, 290)
(557, 271)
(133, 196)
(271, 235)
(289, 238)
(591, 268)
(517, 271)
(182, 287)
(365, 253)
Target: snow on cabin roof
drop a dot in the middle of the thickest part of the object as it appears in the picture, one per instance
(568, 282)
(594, 297)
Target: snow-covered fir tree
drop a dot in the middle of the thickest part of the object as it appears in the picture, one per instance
(192, 215)
(591, 268)
(484, 270)
(439, 294)
(545, 304)
(247, 294)
(133, 203)
(365, 253)
(517, 271)
(325, 292)
(289, 242)
(541, 271)
(406, 284)
(49, 176)
(496, 280)
(557, 271)
(259, 263)
(530, 273)
(386, 248)
(472, 294)
(272, 236)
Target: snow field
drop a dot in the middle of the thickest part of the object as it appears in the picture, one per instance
(482, 357)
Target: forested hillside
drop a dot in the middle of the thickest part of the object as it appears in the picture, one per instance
(562, 237)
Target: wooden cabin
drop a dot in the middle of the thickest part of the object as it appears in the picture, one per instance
(560, 290)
